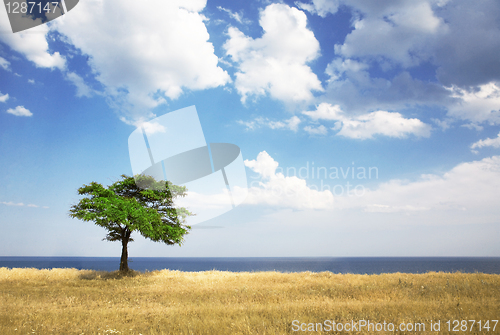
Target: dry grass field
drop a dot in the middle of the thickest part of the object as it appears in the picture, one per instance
(70, 301)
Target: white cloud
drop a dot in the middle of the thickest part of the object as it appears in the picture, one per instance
(467, 187)
(275, 64)
(264, 165)
(481, 104)
(82, 89)
(458, 40)
(19, 111)
(367, 125)
(290, 124)
(31, 81)
(5, 64)
(281, 191)
(383, 123)
(461, 38)
(320, 130)
(325, 111)
(470, 187)
(320, 7)
(143, 56)
(489, 142)
(4, 98)
(32, 44)
(340, 66)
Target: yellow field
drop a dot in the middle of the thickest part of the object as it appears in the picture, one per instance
(70, 301)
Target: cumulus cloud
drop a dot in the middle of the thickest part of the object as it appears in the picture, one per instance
(4, 97)
(275, 189)
(481, 104)
(290, 124)
(383, 123)
(325, 111)
(19, 111)
(458, 40)
(5, 64)
(468, 187)
(32, 44)
(143, 56)
(276, 63)
(489, 142)
(367, 125)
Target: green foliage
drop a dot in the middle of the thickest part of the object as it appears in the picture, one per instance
(123, 208)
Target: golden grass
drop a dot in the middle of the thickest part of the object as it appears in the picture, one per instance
(70, 301)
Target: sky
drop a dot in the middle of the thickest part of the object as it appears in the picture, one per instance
(367, 128)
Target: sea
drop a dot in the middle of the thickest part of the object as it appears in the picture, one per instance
(354, 265)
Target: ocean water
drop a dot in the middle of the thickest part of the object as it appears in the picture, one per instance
(356, 265)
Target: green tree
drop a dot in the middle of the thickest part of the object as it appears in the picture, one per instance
(123, 207)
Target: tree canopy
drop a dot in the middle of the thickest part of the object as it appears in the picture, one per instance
(124, 207)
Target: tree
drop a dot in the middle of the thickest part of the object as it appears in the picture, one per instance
(123, 208)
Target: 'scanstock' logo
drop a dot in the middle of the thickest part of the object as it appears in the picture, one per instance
(172, 147)
(28, 14)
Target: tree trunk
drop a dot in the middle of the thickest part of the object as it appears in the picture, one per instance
(124, 259)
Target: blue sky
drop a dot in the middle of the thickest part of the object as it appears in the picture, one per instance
(408, 89)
